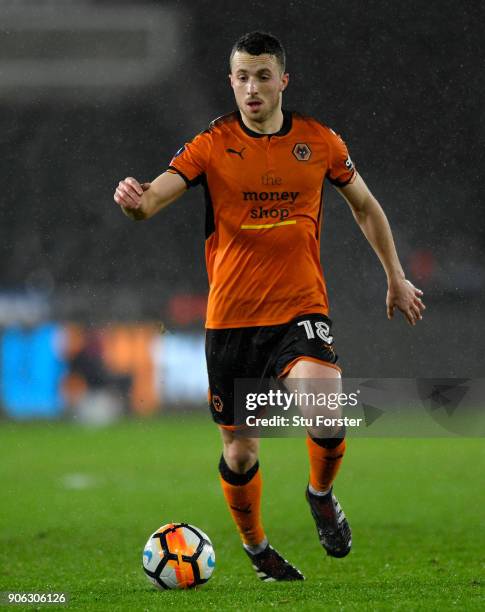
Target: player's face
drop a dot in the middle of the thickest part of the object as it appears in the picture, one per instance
(258, 82)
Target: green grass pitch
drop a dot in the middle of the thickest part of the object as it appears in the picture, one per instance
(77, 506)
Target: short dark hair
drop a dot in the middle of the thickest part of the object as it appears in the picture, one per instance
(257, 43)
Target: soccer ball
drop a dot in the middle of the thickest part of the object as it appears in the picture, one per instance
(178, 556)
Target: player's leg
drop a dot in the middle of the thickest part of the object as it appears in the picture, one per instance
(326, 445)
(240, 476)
(325, 451)
(242, 487)
(233, 354)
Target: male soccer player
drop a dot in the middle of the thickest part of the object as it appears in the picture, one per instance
(263, 169)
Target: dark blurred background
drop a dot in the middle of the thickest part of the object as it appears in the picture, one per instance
(93, 91)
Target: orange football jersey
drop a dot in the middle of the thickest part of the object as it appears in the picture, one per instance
(264, 198)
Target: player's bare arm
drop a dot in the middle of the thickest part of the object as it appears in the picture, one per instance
(142, 200)
(401, 293)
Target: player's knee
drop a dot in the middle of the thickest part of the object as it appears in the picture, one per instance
(240, 454)
(326, 436)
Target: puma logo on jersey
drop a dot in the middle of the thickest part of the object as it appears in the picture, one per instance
(240, 153)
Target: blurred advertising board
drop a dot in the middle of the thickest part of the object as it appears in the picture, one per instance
(53, 370)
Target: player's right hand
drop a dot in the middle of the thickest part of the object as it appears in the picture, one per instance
(129, 192)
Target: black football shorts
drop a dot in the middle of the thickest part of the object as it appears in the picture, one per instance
(261, 353)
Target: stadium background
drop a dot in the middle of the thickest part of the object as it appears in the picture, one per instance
(95, 91)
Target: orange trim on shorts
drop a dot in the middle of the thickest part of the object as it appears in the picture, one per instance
(288, 366)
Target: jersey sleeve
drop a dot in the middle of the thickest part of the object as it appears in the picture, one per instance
(192, 160)
(341, 170)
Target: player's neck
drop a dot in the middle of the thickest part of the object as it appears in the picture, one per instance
(272, 125)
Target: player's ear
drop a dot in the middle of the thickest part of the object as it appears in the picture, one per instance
(230, 79)
(285, 78)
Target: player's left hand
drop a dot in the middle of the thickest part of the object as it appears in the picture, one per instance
(404, 296)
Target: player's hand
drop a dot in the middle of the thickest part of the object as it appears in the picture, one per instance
(404, 296)
(129, 192)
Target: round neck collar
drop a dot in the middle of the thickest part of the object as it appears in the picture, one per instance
(285, 128)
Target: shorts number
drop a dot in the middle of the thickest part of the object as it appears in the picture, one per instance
(322, 329)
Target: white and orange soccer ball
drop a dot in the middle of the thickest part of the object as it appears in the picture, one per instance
(178, 556)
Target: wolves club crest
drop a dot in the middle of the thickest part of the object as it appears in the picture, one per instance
(302, 151)
(217, 403)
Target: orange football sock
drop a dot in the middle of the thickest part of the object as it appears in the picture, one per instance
(243, 497)
(324, 463)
